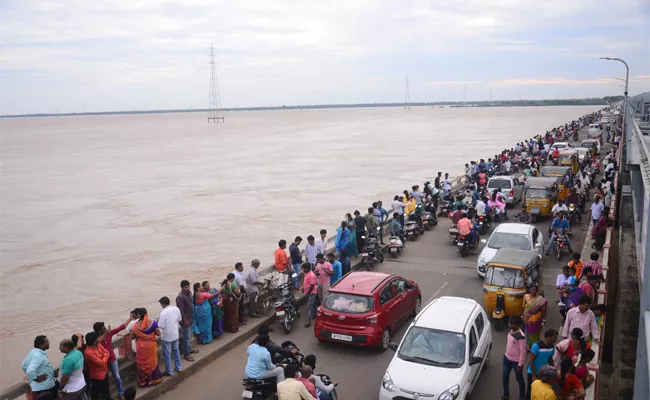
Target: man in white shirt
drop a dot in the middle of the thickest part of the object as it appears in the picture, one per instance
(559, 206)
(480, 208)
(446, 183)
(241, 281)
(322, 240)
(168, 321)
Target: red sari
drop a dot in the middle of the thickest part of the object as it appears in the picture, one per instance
(146, 353)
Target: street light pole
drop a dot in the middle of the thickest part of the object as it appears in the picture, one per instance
(627, 79)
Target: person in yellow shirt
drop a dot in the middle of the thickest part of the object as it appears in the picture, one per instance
(291, 388)
(542, 387)
(411, 205)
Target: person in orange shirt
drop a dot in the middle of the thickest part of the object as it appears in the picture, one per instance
(576, 263)
(282, 264)
(97, 357)
(466, 228)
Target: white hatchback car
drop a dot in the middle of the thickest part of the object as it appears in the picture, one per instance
(510, 186)
(442, 353)
(560, 145)
(509, 236)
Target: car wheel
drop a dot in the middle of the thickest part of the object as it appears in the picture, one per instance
(417, 307)
(385, 340)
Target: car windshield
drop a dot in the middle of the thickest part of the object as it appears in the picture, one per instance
(504, 277)
(536, 193)
(348, 303)
(501, 240)
(499, 183)
(433, 347)
(565, 158)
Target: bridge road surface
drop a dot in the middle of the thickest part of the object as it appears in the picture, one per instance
(435, 264)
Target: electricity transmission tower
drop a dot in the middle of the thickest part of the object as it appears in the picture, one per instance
(407, 95)
(215, 96)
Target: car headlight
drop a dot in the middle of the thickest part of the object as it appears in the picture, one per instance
(387, 383)
(450, 394)
(482, 260)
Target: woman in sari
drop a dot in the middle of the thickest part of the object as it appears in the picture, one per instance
(534, 314)
(202, 323)
(570, 347)
(352, 243)
(216, 308)
(231, 296)
(342, 237)
(146, 349)
(599, 232)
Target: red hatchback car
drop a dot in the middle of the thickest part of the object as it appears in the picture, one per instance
(365, 308)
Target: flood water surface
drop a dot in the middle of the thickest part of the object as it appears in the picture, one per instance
(102, 214)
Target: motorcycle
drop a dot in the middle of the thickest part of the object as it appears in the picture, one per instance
(573, 214)
(483, 225)
(429, 218)
(286, 310)
(464, 246)
(576, 135)
(395, 245)
(371, 253)
(559, 242)
(260, 389)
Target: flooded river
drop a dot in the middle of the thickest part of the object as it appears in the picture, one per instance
(105, 213)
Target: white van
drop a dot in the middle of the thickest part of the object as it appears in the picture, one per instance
(442, 353)
(593, 128)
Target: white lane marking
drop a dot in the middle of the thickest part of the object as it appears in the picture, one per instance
(437, 292)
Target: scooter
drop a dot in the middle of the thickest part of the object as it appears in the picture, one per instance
(395, 245)
(429, 218)
(259, 389)
(286, 310)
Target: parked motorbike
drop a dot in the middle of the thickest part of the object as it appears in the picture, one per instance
(429, 218)
(395, 245)
(286, 309)
(371, 253)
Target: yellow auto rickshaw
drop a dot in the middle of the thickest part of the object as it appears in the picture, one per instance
(591, 144)
(506, 277)
(566, 179)
(540, 195)
(569, 158)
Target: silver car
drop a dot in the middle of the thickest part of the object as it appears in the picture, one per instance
(509, 236)
(510, 186)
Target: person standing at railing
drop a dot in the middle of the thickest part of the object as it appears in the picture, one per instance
(38, 369)
(97, 357)
(168, 321)
(253, 286)
(360, 224)
(294, 253)
(380, 214)
(582, 317)
(341, 243)
(322, 240)
(371, 222)
(312, 249)
(185, 303)
(106, 337)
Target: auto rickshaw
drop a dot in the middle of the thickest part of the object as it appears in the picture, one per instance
(591, 144)
(540, 195)
(569, 158)
(565, 183)
(506, 277)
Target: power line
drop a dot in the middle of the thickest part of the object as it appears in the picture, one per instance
(407, 95)
(215, 95)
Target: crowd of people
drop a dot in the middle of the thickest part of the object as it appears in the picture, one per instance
(208, 312)
(557, 369)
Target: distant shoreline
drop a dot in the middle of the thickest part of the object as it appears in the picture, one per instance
(444, 104)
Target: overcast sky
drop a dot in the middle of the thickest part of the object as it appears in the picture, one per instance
(101, 55)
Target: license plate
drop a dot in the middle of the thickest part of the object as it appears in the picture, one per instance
(279, 313)
(247, 394)
(364, 254)
(460, 244)
(393, 250)
(425, 222)
(346, 338)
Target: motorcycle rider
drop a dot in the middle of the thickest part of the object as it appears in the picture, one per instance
(468, 229)
(259, 365)
(324, 391)
(574, 198)
(559, 223)
(559, 206)
(458, 214)
(480, 208)
(395, 229)
(277, 352)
